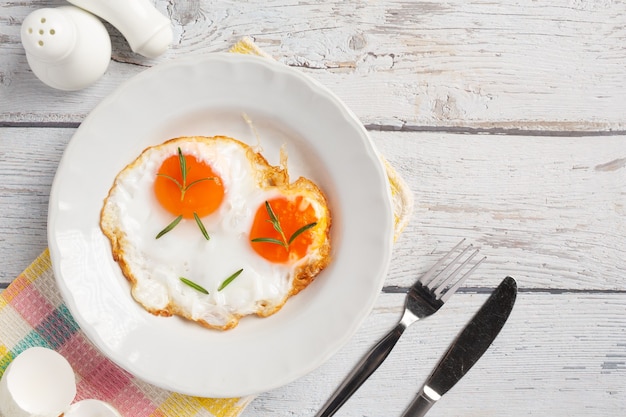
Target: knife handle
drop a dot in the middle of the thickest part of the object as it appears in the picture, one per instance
(366, 367)
(419, 406)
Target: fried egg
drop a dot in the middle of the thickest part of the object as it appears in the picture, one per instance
(206, 229)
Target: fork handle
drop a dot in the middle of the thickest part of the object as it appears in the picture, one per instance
(366, 367)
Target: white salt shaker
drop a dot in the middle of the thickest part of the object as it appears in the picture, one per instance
(66, 47)
(147, 31)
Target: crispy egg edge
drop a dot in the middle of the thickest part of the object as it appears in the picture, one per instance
(267, 176)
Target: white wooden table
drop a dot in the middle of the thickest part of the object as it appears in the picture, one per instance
(507, 120)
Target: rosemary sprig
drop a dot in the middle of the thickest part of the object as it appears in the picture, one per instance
(184, 187)
(284, 242)
(170, 226)
(193, 285)
(229, 279)
(201, 226)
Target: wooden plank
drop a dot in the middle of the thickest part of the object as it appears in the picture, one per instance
(28, 161)
(558, 355)
(534, 66)
(549, 211)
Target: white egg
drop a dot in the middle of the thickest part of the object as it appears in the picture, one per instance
(132, 217)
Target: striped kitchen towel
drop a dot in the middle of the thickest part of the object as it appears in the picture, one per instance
(32, 313)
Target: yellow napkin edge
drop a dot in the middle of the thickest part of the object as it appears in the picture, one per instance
(401, 196)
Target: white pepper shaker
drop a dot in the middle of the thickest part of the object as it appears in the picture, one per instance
(147, 31)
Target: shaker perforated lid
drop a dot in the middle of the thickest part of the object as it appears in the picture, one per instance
(48, 34)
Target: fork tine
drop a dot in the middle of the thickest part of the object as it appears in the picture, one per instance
(447, 280)
(460, 282)
(435, 282)
(426, 278)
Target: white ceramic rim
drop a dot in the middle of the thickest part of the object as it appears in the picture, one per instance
(204, 96)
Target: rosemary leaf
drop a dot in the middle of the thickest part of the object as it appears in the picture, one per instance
(229, 279)
(171, 179)
(300, 231)
(200, 180)
(272, 215)
(183, 166)
(201, 226)
(269, 240)
(170, 226)
(193, 285)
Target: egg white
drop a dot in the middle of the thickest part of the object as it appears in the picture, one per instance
(157, 265)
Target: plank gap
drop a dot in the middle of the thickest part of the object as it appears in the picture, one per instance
(495, 131)
(41, 125)
(394, 289)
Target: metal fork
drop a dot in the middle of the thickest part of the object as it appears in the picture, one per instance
(424, 298)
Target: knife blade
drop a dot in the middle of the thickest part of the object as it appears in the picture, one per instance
(467, 348)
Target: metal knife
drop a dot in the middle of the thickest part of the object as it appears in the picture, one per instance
(467, 348)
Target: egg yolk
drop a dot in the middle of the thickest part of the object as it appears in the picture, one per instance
(200, 191)
(291, 215)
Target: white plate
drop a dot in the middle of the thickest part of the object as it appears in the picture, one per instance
(208, 96)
